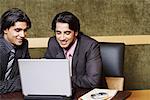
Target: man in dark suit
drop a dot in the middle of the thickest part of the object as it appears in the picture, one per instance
(82, 51)
(14, 24)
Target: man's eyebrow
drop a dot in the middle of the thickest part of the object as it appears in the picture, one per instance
(21, 29)
(67, 31)
(18, 29)
(63, 32)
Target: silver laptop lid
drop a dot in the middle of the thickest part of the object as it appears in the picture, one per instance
(45, 77)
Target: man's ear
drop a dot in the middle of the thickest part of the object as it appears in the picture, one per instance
(76, 34)
(6, 31)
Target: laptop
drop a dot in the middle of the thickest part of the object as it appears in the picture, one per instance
(45, 78)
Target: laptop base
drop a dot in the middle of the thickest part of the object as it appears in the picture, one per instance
(46, 97)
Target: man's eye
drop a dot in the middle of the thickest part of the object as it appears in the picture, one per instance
(17, 30)
(58, 33)
(67, 33)
(25, 30)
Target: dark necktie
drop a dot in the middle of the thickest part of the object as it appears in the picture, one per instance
(9, 66)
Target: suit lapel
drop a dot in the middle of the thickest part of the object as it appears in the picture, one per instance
(60, 54)
(75, 57)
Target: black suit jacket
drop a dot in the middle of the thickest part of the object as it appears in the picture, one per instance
(21, 52)
(86, 62)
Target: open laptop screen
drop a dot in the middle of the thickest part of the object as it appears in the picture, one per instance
(45, 77)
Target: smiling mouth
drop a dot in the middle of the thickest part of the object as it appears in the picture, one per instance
(20, 40)
(63, 42)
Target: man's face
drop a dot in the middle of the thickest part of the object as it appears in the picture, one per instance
(15, 34)
(65, 36)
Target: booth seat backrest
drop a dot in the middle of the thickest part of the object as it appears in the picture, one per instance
(112, 55)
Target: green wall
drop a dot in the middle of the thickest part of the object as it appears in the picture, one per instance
(97, 17)
(137, 67)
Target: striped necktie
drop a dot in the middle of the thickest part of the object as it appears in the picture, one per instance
(10, 63)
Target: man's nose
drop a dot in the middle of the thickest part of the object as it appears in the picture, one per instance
(62, 37)
(22, 34)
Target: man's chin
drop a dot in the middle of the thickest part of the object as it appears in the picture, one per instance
(18, 43)
(64, 46)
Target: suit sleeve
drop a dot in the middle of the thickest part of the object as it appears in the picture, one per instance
(10, 85)
(93, 69)
(13, 84)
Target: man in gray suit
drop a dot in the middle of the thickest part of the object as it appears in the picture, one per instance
(14, 24)
(82, 51)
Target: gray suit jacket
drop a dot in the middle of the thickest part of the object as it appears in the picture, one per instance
(21, 52)
(86, 62)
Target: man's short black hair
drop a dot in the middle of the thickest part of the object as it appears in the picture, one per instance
(67, 17)
(11, 16)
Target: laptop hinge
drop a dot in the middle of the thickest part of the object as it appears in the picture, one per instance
(46, 97)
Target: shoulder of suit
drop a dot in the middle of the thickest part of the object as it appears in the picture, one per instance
(53, 39)
(1, 42)
(87, 39)
(3, 48)
(25, 41)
